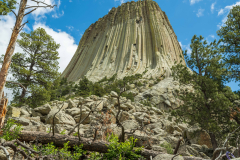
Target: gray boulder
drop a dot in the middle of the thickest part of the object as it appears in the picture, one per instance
(60, 118)
(44, 109)
(167, 157)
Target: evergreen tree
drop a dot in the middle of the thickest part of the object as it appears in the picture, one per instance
(230, 38)
(36, 68)
(208, 105)
(6, 6)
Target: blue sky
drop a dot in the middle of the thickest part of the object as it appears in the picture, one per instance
(67, 22)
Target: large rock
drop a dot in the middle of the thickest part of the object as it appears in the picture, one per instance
(44, 109)
(71, 104)
(22, 121)
(14, 112)
(60, 118)
(130, 124)
(76, 111)
(198, 136)
(124, 116)
(167, 157)
(113, 94)
(83, 116)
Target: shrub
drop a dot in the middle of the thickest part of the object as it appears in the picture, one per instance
(168, 147)
(11, 135)
(51, 149)
(122, 150)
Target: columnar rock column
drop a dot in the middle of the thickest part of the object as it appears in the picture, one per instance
(130, 39)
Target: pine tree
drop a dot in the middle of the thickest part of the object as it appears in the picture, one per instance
(208, 105)
(230, 38)
(6, 6)
(37, 67)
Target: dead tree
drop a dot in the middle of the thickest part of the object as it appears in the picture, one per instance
(122, 138)
(216, 152)
(12, 43)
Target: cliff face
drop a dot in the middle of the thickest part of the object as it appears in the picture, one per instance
(130, 39)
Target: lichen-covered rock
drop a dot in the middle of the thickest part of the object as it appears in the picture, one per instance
(44, 109)
(198, 136)
(14, 112)
(113, 94)
(167, 157)
(22, 121)
(60, 118)
(83, 116)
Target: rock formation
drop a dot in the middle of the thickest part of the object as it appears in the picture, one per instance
(132, 38)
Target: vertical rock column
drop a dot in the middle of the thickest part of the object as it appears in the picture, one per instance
(130, 39)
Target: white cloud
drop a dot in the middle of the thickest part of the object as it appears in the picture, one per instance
(213, 7)
(58, 15)
(224, 11)
(200, 12)
(70, 0)
(67, 48)
(194, 1)
(41, 10)
(227, 8)
(186, 47)
(212, 36)
(121, 1)
(70, 27)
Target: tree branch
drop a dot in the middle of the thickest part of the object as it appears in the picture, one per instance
(18, 84)
(30, 12)
(14, 13)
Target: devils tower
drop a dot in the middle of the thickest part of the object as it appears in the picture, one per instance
(132, 38)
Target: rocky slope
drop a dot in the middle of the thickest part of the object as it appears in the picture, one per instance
(130, 39)
(159, 126)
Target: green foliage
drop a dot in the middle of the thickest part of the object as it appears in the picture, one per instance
(6, 6)
(36, 68)
(86, 88)
(95, 156)
(146, 102)
(39, 96)
(122, 150)
(128, 96)
(51, 149)
(229, 36)
(209, 102)
(9, 135)
(168, 147)
(75, 134)
(63, 132)
(60, 88)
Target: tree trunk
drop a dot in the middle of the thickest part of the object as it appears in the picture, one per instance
(88, 144)
(213, 140)
(3, 110)
(11, 46)
(22, 96)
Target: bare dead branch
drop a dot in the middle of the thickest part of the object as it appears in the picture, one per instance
(21, 27)
(53, 124)
(18, 84)
(81, 121)
(174, 156)
(14, 13)
(178, 145)
(225, 143)
(6, 152)
(30, 12)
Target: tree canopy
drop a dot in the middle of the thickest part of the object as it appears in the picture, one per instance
(230, 38)
(209, 102)
(6, 6)
(36, 68)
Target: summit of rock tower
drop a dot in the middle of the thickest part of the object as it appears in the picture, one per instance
(132, 38)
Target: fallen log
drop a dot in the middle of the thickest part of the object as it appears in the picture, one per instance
(88, 144)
